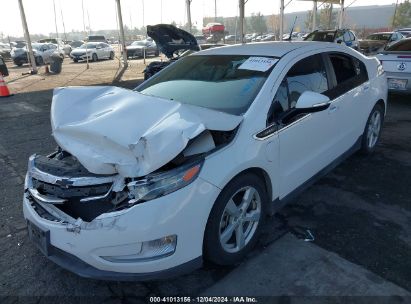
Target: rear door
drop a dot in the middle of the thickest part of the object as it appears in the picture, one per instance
(350, 86)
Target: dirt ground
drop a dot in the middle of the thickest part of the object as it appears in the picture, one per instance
(360, 211)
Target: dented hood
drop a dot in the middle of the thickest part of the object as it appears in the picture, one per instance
(114, 130)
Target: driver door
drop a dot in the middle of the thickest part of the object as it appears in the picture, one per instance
(305, 139)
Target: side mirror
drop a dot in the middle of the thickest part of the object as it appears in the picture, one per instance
(312, 102)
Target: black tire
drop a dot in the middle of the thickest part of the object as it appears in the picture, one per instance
(94, 57)
(367, 145)
(39, 60)
(111, 55)
(212, 247)
(75, 60)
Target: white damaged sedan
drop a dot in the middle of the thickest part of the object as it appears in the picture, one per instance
(147, 183)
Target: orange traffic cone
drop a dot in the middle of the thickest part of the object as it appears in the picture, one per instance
(4, 90)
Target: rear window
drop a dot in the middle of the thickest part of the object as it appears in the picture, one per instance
(400, 46)
(218, 82)
(321, 36)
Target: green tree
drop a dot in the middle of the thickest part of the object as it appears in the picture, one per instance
(327, 18)
(402, 16)
(258, 24)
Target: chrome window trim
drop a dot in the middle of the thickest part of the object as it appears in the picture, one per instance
(280, 130)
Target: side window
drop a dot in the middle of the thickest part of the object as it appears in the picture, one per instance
(309, 74)
(349, 73)
(280, 103)
(347, 37)
(352, 36)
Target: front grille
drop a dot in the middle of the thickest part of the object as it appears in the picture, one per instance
(70, 192)
(65, 184)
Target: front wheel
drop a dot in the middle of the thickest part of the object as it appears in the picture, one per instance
(111, 55)
(95, 58)
(235, 220)
(372, 131)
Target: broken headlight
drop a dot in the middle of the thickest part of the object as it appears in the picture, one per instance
(159, 184)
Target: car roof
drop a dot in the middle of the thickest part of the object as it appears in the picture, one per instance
(382, 33)
(273, 48)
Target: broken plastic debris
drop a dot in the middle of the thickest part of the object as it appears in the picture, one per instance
(113, 130)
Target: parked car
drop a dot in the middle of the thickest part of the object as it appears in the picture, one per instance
(231, 39)
(41, 52)
(377, 42)
(148, 183)
(268, 37)
(93, 51)
(341, 36)
(5, 51)
(18, 44)
(96, 38)
(201, 39)
(59, 42)
(139, 48)
(76, 43)
(396, 61)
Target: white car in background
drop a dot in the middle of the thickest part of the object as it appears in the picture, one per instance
(396, 61)
(147, 183)
(93, 50)
(41, 52)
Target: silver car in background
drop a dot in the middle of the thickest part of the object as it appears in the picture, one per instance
(396, 61)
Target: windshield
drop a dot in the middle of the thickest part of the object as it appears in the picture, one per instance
(385, 37)
(227, 83)
(321, 36)
(88, 46)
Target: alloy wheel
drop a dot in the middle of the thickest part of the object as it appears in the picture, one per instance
(374, 128)
(240, 219)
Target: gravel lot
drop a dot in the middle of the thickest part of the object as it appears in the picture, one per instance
(360, 211)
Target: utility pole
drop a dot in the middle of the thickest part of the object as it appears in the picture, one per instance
(281, 19)
(123, 41)
(314, 15)
(27, 38)
(55, 23)
(215, 10)
(62, 19)
(241, 4)
(188, 3)
(341, 20)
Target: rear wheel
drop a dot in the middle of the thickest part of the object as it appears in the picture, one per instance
(235, 220)
(372, 131)
(95, 58)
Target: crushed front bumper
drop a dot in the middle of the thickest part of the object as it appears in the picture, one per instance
(108, 247)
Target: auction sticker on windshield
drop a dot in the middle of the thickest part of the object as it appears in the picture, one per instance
(261, 64)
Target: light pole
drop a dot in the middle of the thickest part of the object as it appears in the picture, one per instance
(241, 4)
(123, 41)
(27, 38)
(188, 3)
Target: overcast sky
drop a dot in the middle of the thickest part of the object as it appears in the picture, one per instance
(40, 13)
